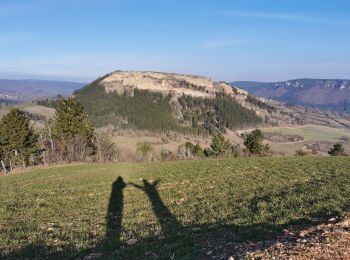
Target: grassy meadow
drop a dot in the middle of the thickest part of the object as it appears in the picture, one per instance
(165, 210)
(311, 134)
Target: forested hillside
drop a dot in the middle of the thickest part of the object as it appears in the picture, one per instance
(161, 112)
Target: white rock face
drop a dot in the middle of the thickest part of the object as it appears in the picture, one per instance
(177, 84)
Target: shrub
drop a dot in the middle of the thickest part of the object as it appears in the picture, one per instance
(236, 150)
(144, 152)
(166, 155)
(106, 150)
(301, 152)
(189, 150)
(337, 150)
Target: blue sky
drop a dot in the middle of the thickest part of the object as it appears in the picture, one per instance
(264, 40)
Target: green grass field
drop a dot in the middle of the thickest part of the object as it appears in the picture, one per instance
(311, 134)
(178, 210)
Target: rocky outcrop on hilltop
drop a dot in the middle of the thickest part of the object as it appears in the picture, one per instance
(125, 82)
(177, 84)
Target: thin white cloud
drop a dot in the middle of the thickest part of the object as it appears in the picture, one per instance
(289, 17)
(225, 43)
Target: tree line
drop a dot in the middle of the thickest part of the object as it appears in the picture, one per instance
(215, 115)
(68, 137)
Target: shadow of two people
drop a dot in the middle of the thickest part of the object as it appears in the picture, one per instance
(167, 220)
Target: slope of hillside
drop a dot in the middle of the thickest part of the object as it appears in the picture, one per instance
(164, 101)
(27, 90)
(319, 93)
(178, 210)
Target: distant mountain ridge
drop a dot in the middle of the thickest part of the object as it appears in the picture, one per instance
(330, 94)
(31, 89)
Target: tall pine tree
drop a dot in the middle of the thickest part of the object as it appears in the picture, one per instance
(72, 131)
(18, 141)
(71, 120)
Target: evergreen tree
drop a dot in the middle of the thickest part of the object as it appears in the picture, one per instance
(219, 147)
(18, 141)
(253, 142)
(71, 120)
(71, 134)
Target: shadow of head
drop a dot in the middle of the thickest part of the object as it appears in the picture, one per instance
(151, 184)
(119, 183)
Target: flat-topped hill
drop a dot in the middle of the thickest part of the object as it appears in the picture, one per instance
(178, 84)
(165, 101)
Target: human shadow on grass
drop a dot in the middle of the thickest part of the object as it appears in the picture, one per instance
(199, 239)
(193, 241)
(110, 243)
(167, 220)
(114, 215)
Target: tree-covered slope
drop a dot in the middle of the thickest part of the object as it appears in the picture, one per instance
(143, 110)
(160, 111)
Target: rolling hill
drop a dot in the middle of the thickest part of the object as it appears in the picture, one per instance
(327, 94)
(165, 101)
(29, 89)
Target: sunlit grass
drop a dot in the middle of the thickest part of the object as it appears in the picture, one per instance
(62, 212)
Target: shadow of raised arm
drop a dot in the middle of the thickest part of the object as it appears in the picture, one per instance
(166, 219)
(146, 185)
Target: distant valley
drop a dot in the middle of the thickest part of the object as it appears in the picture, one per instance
(13, 91)
(326, 94)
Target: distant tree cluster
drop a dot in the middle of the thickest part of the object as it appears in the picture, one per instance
(215, 115)
(256, 102)
(68, 137)
(52, 103)
(221, 147)
(35, 117)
